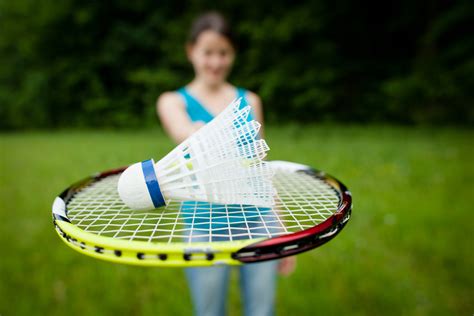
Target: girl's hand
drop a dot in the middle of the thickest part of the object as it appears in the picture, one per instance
(287, 266)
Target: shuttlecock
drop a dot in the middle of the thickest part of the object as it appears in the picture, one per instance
(221, 163)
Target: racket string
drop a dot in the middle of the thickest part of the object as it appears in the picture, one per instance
(303, 201)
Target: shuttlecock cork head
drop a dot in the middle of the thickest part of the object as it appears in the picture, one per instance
(138, 186)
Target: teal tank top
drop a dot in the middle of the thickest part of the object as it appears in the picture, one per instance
(197, 112)
(204, 216)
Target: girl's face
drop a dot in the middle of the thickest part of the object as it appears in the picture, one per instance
(212, 56)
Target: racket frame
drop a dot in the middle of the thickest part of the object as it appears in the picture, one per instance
(179, 254)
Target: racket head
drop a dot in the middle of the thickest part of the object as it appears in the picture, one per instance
(312, 208)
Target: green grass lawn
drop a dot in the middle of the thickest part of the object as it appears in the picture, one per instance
(408, 249)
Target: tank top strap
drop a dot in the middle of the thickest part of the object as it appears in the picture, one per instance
(187, 98)
(197, 112)
(194, 108)
(242, 93)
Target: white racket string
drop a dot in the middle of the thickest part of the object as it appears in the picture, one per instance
(303, 201)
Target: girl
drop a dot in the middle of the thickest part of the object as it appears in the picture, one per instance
(211, 51)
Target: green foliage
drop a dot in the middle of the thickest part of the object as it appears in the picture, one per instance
(407, 249)
(76, 63)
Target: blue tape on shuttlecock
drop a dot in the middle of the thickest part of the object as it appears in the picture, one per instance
(152, 183)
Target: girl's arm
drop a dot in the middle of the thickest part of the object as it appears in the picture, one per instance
(174, 119)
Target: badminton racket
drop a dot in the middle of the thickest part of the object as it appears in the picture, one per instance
(310, 209)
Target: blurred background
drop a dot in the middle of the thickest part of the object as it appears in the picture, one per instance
(379, 94)
(103, 64)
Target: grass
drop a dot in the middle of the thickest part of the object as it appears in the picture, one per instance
(408, 250)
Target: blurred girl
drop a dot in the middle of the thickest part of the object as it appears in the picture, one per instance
(210, 50)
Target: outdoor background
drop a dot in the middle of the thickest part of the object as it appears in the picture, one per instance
(379, 94)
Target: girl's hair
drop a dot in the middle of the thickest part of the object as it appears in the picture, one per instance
(210, 21)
